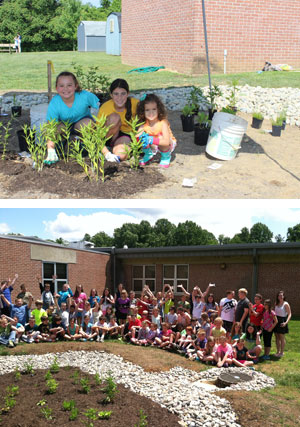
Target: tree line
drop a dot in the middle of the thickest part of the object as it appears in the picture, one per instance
(164, 233)
(49, 25)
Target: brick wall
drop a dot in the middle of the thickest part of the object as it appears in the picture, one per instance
(92, 270)
(170, 33)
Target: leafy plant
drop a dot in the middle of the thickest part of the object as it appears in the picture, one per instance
(17, 374)
(47, 412)
(62, 138)
(36, 144)
(12, 390)
(51, 386)
(98, 379)
(28, 368)
(91, 79)
(75, 377)
(48, 376)
(84, 382)
(143, 420)
(277, 121)
(196, 97)
(228, 110)
(214, 92)
(282, 115)
(73, 414)
(68, 405)
(92, 415)
(104, 415)
(202, 120)
(233, 92)
(9, 402)
(135, 149)
(93, 139)
(5, 137)
(41, 402)
(110, 390)
(188, 110)
(257, 115)
(54, 368)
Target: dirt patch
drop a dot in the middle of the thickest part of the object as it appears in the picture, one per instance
(126, 404)
(265, 167)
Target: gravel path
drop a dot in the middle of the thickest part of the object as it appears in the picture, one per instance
(179, 390)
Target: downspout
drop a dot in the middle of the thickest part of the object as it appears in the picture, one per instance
(254, 274)
(113, 251)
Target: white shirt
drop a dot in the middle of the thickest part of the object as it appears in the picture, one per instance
(197, 309)
(228, 309)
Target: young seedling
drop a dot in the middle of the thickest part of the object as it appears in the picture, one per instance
(75, 377)
(41, 402)
(73, 414)
(51, 386)
(54, 368)
(5, 137)
(135, 149)
(104, 415)
(84, 382)
(47, 413)
(92, 415)
(48, 376)
(68, 405)
(29, 368)
(110, 390)
(12, 390)
(37, 145)
(98, 379)
(143, 420)
(17, 374)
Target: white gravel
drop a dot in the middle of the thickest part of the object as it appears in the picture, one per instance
(178, 390)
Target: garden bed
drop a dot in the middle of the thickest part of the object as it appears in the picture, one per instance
(33, 402)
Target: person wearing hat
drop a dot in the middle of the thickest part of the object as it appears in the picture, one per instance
(38, 312)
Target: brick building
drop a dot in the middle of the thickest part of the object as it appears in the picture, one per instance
(35, 259)
(170, 33)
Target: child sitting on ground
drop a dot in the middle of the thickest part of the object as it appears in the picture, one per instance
(72, 332)
(155, 133)
(152, 334)
(218, 330)
(31, 333)
(209, 353)
(165, 337)
(198, 346)
(241, 354)
(205, 324)
(44, 330)
(224, 353)
(7, 333)
(102, 328)
(142, 335)
(86, 330)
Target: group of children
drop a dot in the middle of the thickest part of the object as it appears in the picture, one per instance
(152, 320)
(72, 105)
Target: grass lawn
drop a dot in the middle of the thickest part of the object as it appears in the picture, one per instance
(271, 407)
(28, 71)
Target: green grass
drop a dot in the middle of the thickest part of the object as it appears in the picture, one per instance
(28, 71)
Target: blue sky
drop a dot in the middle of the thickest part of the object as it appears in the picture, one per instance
(92, 2)
(227, 217)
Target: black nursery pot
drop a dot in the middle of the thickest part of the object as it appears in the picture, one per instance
(187, 123)
(211, 113)
(276, 130)
(283, 125)
(256, 123)
(201, 135)
(22, 140)
(16, 110)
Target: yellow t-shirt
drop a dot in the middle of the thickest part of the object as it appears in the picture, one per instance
(108, 108)
(37, 314)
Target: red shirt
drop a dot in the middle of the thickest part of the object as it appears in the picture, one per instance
(258, 308)
(141, 305)
(137, 322)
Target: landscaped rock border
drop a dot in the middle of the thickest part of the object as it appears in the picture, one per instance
(177, 390)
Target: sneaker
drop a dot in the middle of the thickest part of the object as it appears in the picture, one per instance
(98, 339)
(10, 344)
(148, 156)
(165, 159)
(102, 339)
(265, 357)
(83, 339)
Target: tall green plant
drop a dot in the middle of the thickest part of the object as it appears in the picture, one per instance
(5, 137)
(135, 149)
(37, 145)
(93, 139)
(92, 80)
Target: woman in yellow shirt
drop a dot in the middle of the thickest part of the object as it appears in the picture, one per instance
(117, 110)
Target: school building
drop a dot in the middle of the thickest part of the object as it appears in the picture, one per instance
(261, 268)
(249, 32)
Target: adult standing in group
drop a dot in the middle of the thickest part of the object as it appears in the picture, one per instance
(242, 308)
(283, 314)
(6, 289)
(123, 307)
(119, 110)
(227, 310)
(25, 295)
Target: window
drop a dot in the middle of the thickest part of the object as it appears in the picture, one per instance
(55, 269)
(143, 275)
(111, 25)
(175, 275)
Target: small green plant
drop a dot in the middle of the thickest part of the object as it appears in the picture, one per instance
(14, 100)
(73, 414)
(196, 97)
(110, 390)
(143, 420)
(68, 405)
(98, 379)
(188, 110)
(47, 412)
(28, 367)
(202, 120)
(51, 386)
(85, 384)
(48, 376)
(91, 79)
(92, 415)
(135, 149)
(228, 110)
(104, 415)
(282, 115)
(277, 121)
(93, 139)
(257, 115)
(12, 390)
(54, 368)
(41, 402)
(10, 402)
(37, 145)
(232, 98)
(75, 377)
(5, 136)
(62, 139)
(213, 94)
(17, 374)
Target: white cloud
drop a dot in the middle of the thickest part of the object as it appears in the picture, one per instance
(72, 227)
(4, 228)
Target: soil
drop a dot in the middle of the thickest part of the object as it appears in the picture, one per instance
(125, 407)
(265, 167)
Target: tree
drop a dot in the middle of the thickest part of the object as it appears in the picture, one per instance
(293, 234)
(102, 239)
(162, 233)
(242, 237)
(67, 20)
(279, 238)
(105, 4)
(191, 234)
(260, 233)
(126, 235)
(223, 240)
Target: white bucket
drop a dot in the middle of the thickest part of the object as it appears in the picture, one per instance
(225, 136)
(38, 115)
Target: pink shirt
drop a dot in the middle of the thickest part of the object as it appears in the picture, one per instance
(80, 300)
(268, 319)
(227, 349)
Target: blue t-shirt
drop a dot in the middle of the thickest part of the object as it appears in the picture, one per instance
(64, 295)
(7, 293)
(91, 300)
(83, 100)
(20, 312)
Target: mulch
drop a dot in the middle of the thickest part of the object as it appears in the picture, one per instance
(125, 408)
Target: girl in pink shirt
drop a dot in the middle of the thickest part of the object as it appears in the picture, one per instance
(224, 353)
(269, 322)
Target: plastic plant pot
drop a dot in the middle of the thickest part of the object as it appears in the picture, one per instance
(201, 135)
(256, 123)
(276, 130)
(187, 123)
